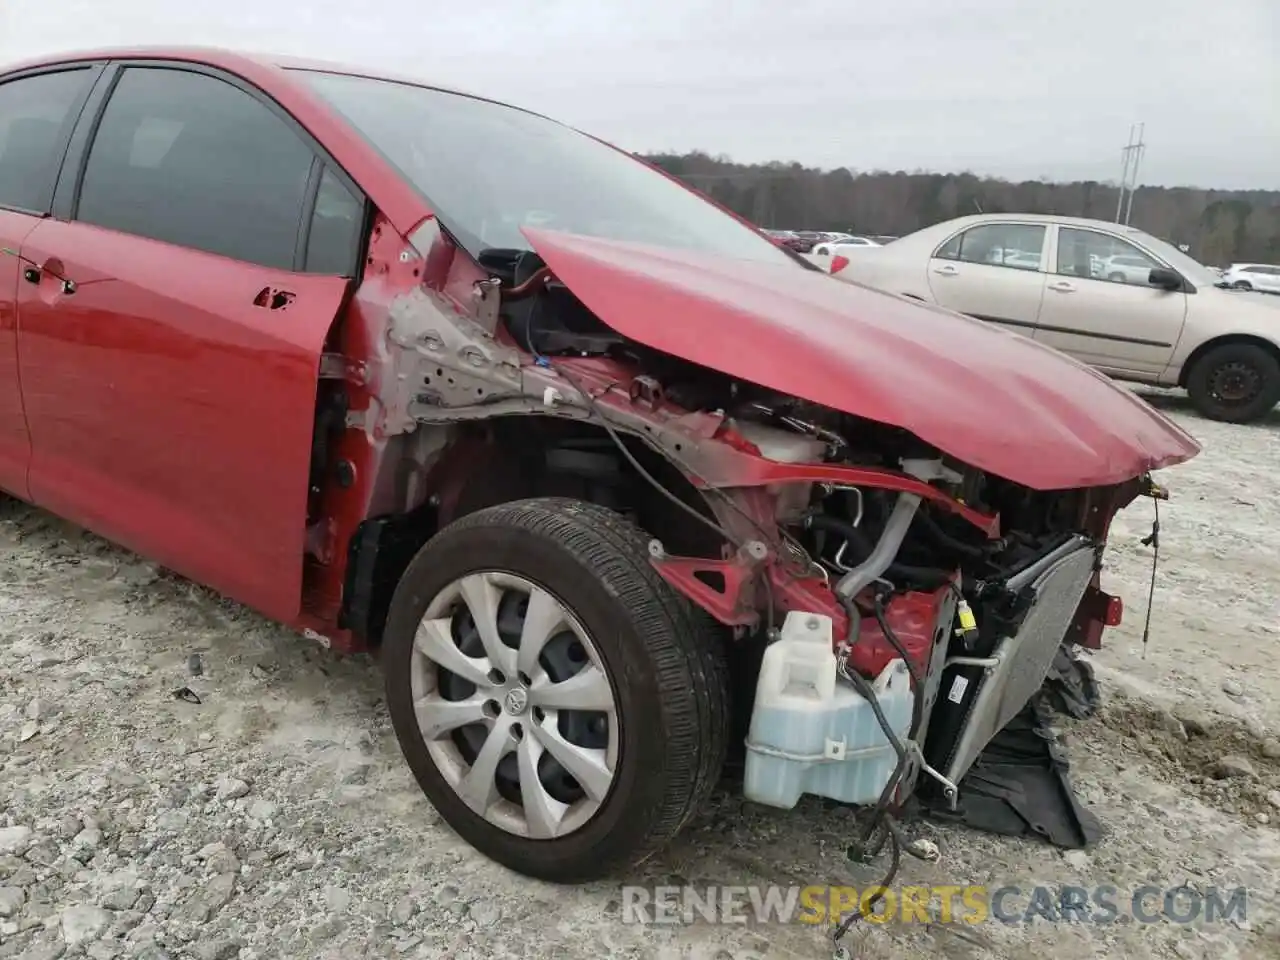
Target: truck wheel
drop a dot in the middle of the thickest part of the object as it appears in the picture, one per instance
(1235, 383)
(561, 706)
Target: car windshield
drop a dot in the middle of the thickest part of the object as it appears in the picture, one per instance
(487, 170)
(1194, 271)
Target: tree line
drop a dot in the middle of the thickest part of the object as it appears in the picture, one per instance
(1217, 227)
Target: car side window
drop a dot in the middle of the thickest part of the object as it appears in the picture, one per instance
(337, 224)
(193, 160)
(1015, 245)
(949, 250)
(1100, 256)
(33, 112)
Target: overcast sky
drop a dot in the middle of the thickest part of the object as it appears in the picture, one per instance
(1017, 88)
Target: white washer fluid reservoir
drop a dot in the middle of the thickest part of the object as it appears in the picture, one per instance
(811, 731)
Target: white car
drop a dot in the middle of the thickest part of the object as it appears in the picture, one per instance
(841, 248)
(1009, 257)
(1132, 306)
(1126, 268)
(1253, 276)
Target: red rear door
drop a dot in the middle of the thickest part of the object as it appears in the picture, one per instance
(15, 442)
(171, 338)
(37, 111)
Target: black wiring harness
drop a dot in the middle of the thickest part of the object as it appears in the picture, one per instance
(880, 819)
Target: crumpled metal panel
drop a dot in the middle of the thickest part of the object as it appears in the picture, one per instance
(991, 398)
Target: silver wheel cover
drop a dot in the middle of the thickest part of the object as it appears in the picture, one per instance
(515, 705)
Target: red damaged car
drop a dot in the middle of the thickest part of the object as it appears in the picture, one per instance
(616, 486)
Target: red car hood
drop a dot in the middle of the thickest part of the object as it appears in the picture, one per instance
(990, 398)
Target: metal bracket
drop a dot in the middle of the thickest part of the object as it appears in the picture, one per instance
(731, 606)
(930, 470)
(487, 295)
(335, 366)
(647, 391)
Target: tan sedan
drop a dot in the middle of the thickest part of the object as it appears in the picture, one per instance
(1116, 298)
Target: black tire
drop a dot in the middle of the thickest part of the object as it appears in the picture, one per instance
(664, 657)
(1242, 285)
(1116, 277)
(1212, 383)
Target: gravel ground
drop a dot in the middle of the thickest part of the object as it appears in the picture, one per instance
(275, 818)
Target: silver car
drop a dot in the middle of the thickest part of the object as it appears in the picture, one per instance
(1116, 298)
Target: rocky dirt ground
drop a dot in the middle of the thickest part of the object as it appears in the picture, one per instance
(275, 819)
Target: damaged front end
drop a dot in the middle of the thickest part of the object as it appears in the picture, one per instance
(903, 588)
(893, 601)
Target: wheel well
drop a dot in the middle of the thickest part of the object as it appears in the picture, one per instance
(1213, 344)
(514, 458)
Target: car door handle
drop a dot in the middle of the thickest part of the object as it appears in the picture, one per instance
(945, 271)
(1062, 287)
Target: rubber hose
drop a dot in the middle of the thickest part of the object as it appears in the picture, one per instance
(948, 541)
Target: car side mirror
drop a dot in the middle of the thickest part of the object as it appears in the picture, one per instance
(1165, 279)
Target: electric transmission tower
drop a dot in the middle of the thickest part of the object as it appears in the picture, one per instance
(1132, 156)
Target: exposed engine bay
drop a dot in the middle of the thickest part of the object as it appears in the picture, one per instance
(890, 609)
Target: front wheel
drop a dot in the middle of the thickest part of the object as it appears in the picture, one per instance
(1235, 383)
(560, 705)
(1242, 285)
